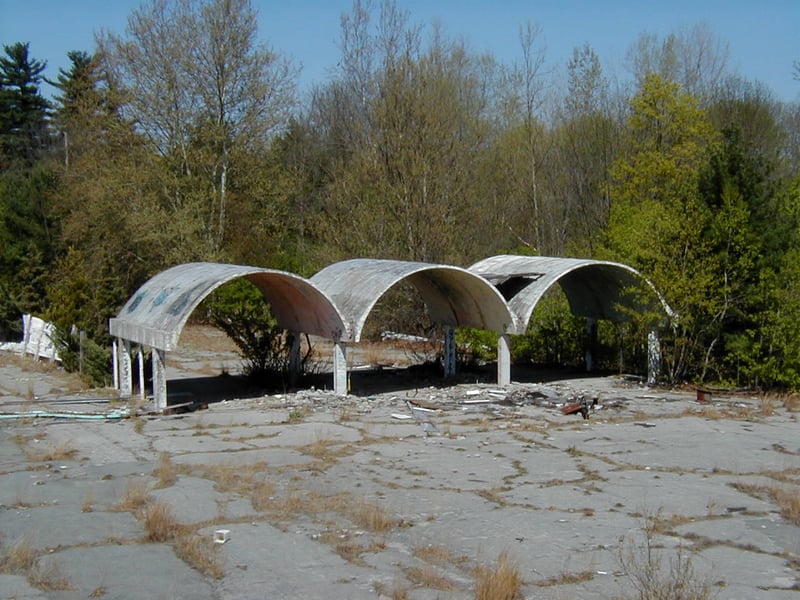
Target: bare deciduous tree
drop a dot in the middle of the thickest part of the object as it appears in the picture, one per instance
(204, 91)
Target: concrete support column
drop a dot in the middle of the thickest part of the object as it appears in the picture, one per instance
(142, 391)
(294, 358)
(114, 364)
(653, 357)
(591, 333)
(504, 359)
(449, 351)
(125, 372)
(159, 378)
(340, 368)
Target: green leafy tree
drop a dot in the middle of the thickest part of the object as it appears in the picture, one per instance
(658, 219)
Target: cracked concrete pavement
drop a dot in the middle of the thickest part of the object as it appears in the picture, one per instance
(329, 497)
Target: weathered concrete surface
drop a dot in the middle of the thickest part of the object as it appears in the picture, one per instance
(330, 497)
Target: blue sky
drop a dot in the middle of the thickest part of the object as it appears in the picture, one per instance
(763, 35)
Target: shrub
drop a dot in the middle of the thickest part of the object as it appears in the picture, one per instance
(80, 354)
(239, 309)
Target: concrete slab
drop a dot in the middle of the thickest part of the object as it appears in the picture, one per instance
(559, 494)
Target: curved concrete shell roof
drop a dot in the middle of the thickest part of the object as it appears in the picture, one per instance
(593, 288)
(454, 296)
(155, 315)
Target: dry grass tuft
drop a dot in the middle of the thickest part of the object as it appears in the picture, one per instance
(352, 551)
(19, 557)
(501, 582)
(202, 554)
(789, 503)
(766, 406)
(372, 517)
(48, 576)
(654, 576)
(321, 448)
(788, 500)
(297, 415)
(52, 452)
(262, 496)
(160, 522)
(135, 496)
(567, 579)
(428, 577)
(792, 403)
(138, 424)
(436, 555)
(166, 471)
(86, 503)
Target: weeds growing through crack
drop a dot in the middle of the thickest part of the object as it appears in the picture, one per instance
(160, 522)
(262, 496)
(500, 581)
(166, 471)
(787, 498)
(21, 558)
(135, 496)
(654, 575)
(567, 579)
(86, 503)
(201, 553)
(428, 577)
(51, 452)
(46, 574)
(163, 527)
(372, 517)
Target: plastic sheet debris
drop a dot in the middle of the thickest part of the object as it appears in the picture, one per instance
(115, 414)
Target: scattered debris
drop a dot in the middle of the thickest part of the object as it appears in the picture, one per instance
(222, 535)
(580, 406)
(421, 415)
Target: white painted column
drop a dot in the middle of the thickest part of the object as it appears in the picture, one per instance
(340, 368)
(142, 391)
(125, 373)
(504, 359)
(449, 351)
(159, 378)
(114, 364)
(653, 357)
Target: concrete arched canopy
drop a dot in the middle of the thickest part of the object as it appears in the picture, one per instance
(453, 296)
(594, 289)
(156, 314)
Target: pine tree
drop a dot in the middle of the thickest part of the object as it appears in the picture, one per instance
(23, 110)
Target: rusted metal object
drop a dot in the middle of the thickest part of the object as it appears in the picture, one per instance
(581, 406)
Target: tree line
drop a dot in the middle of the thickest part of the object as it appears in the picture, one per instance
(185, 138)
